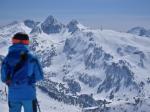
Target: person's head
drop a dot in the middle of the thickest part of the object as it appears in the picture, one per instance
(20, 38)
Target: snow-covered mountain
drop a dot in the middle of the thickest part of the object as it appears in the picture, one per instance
(140, 31)
(30, 23)
(97, 70)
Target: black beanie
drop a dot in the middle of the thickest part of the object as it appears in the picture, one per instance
(21, 36)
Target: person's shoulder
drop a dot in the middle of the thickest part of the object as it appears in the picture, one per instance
(32, 57)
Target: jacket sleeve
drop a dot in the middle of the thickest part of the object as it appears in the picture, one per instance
(38, 71)
(4, 71)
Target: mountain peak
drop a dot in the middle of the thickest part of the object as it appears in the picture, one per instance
(75, 22)
(30, 23)
(140, 31)
(51, 25)
(13, 23)
(50, 20)
(73, 26)
(138, 28)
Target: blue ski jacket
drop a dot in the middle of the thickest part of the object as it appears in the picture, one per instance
(22, 81)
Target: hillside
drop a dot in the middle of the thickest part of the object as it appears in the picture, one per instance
(93, 69)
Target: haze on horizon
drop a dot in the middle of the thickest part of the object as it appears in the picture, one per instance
(111, 14)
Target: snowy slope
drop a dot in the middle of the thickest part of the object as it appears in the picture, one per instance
(85, 67)
(46, 104)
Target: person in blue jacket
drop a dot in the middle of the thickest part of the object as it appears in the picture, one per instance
(20, 71)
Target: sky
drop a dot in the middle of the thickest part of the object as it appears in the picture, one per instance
(110, 14)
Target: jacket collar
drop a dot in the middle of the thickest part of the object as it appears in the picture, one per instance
(19, 47)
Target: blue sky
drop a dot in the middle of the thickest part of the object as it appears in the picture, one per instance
(111, 14)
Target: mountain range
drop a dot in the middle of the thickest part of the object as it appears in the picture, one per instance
(92, 69)
(140, 31)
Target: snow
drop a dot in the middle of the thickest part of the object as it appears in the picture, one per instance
(46, 103)
(4, 106)
(110, 41)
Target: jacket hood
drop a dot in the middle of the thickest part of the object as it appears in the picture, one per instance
(15, 50)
